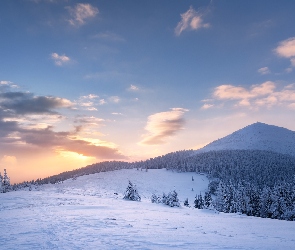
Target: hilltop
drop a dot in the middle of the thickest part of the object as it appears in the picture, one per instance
(257, 136)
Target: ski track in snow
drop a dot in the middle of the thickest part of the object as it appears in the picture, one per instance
(86, 214)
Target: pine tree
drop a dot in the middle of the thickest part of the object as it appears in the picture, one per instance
(155, 199)
(171, 199)
(5, 182)
(1, 183)
(131, 193)
(207, 200)
(199, 202)
(186, 202)
(219, 202)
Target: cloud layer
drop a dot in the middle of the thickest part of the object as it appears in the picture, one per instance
(24, 121)
(163, 125)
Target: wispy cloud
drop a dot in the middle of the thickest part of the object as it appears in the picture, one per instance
(114, 99)
(191, 20)
(88, 102)
(81, 12)
(260, 95)
(60, 60)
(163, 125)
(7, 85)
(109, 36)
(263, 71)
(133, 88)
(207, 106)
(89, 120)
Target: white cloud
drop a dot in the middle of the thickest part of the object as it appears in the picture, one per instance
(234, 93)
(102, 102)
(286, 48)
(207, 106)
(191, 20)
(60, 60)
(163, 125)
(81, 12)
(114, 99)
(133, 88)
(90, 96)
(261, 95)
(89, 102)
(8, 84)
(5, 82)
(263, 71)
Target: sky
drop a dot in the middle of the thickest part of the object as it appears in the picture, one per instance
(89, 81)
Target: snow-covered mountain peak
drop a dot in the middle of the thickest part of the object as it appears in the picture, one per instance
(258, 136)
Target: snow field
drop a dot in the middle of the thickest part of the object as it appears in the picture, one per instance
(86, 214)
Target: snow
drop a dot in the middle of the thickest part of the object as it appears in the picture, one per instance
(258, 136)
(87, 214)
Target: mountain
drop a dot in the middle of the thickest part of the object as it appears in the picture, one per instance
(257, 136)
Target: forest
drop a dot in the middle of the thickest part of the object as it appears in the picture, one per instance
(252, 182)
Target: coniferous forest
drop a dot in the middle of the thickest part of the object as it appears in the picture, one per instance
(252, 182)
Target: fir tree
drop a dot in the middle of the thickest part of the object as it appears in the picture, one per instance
(199, 202)
(186, 202)
(131, 193)
(207, 200)
(171, 199)
(1, 185)
(155, 199)
(5, 182)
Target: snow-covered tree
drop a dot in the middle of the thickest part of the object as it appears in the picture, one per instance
(131, 193)
(5, 182)
(199, 202)
(155, 198)
(186, 202)
(1, 185)
(171, 199)
(207, 200)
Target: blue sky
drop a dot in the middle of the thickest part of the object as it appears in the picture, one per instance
(86, 81)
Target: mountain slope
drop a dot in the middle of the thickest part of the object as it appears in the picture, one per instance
(258, 136)
(84, 213)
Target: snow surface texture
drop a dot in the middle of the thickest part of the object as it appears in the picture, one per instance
(86, 213)
(258, 136)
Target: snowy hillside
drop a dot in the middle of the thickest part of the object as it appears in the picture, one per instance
(257, 136)
(89, 213)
